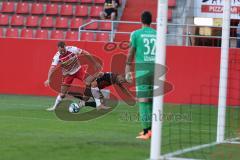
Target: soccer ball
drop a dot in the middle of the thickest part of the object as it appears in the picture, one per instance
(73, 108)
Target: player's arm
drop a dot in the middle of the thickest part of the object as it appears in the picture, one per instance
(90, 57)
(130, 57)
(52, 69)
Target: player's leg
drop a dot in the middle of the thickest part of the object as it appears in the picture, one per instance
(60, 97)
(145, 111)
(66, 82)
(96, 101)
(145, 95)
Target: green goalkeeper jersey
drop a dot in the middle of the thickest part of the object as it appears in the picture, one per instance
(144, 41)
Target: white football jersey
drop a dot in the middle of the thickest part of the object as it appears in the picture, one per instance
(69, 61)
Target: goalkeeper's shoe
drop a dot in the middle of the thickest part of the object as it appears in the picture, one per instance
(146, 136)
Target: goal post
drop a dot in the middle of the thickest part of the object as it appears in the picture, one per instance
(222, 98)
(160, 58)
(215, 118)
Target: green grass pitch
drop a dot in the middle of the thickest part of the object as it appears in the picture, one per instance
(28, 131)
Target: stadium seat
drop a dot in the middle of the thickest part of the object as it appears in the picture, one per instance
(37, 8)
(17, 20)
(66, 10)
(32, 21)
(71, 35)
(1, 32)
(95, 11)
(172, 3)
(57, 34)
(47, 22)
(4, 20)
(99, 1)
(27, 33)
(92, 26)
(86, 1)
(105, 26)
(170, 13)
(76, 22)
(41, 34)
(52, 9)
(102, 37)
(71, 1)
(22, 8)
(61, 22)
(8, 7)
(12, 33)
(81, 11)
(87, 36)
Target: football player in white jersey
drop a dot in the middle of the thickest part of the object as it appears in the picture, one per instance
(67, 58)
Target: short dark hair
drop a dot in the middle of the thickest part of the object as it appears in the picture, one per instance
(61, 44)
(146, 17)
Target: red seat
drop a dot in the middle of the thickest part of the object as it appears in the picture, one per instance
(57, 34)
(37, 8)
(47, 22)
(27, 33)
(71, 1)
(170, 13)
(12, 32)
(4, 20)
(99, 1)
(61, 22)
(95, 11)
(22, 8)
(86, 1)
(172, 3)
(1, 32)
(41, 34)
(71, 35)
(92, 26)
(17, 20)
(8, 7)
(66, 10)
(52, 9)
(32, 21)
(87, 36)
(76, 23)
(105, 26)
(81, 11)
(102, 37)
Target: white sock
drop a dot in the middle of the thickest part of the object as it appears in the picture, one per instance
(98, 102)
(95, 92)
(58, 100)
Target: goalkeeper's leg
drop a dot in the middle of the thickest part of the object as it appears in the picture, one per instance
(145, 110)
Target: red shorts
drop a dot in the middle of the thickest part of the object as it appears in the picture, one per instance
(80, 74)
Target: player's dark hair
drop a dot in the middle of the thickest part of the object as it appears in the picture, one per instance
(146, 17)
(61, 44)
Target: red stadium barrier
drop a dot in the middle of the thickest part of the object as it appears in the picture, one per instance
(194, 71)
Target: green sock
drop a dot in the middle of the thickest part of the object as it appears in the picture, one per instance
(145, 110)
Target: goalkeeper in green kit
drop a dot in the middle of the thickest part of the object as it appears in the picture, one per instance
(143, 48)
